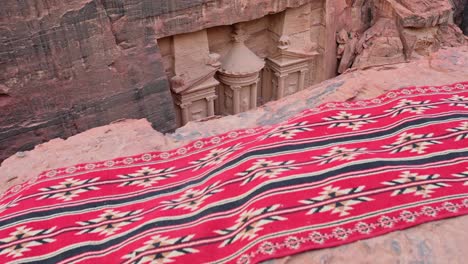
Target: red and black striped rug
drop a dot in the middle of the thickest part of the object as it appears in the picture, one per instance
(329, 176)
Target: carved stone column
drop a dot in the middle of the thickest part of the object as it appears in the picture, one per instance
(211, 107)
(237, 98)
(185, 112)
(302, 76)
(253, 95)
(281, 79)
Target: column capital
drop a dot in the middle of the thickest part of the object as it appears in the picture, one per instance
(185, 105)
(211, 98)
(281, 75)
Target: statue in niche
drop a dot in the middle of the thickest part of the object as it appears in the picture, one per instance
(292, 84)
(274, 86)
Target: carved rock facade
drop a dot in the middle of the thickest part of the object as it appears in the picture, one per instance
(260, 60)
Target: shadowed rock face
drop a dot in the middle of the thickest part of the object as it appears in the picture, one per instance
(64, 72)
(67, 66)
(465, 19)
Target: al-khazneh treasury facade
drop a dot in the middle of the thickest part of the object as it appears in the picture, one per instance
(230, 69)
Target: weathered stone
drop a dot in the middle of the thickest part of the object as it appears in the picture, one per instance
(403, 29)
(181, 16)
(459, 7)
(380, 45)
(422, 13)
(346, 50)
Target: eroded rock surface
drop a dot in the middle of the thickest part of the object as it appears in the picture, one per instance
(67, 66)
(401, 30)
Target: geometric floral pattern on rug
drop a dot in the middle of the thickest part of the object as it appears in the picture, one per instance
(331, 175)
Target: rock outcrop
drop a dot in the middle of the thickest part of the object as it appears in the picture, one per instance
(401, 30)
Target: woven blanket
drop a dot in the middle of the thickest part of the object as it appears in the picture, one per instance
(328, 176)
